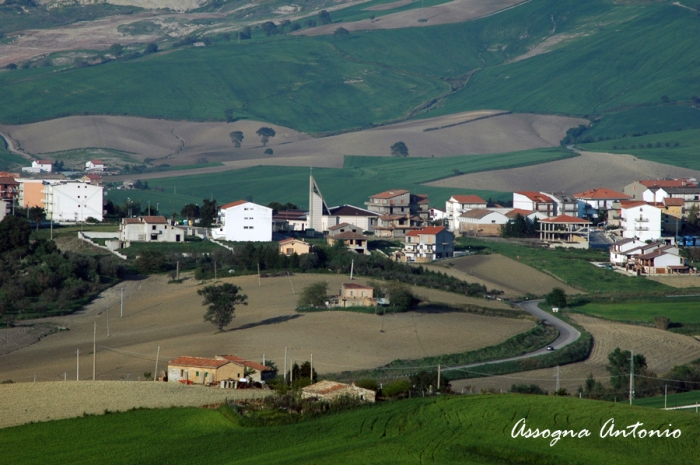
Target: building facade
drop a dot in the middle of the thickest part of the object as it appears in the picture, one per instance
(244, 221)
(428, 244)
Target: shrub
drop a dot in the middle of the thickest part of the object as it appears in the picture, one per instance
(314, 295)
(662, 322)
(556, 298)
(396, 389)
(527, 389)
(370, 384)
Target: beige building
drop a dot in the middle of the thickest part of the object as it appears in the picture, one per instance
(330, 390)
(353, 241)
(354, 295)
(253, 371)
(149, 229)
(198, 370)
(428, 244)
(292, 246)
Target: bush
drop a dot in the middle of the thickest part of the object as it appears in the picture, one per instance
(662, 322)
(314, 295)
(340, 32)
(527, 389)
(397, 389)
(151, 48)
(556, 298)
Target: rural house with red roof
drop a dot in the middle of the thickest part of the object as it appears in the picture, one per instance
(243, 221)
(641, 189)
(591, 202)
(209, 371)
(254, 371)
(458, 204)
(39, 166)
(428, 244)
(291, 246)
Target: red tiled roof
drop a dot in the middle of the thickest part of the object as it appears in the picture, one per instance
(44, 162)
(233, 204)
(601, 193)
(431, 230)
(665, 182)
(469, 199)
(476, 213)
(536, 196)
(198, 362)
(324, 387)
(389, 194)
(8, 180)
(674, 202)
(93, 176)
(131, 221)
(565, 219)
(154, 220)
(244, 362)
(355, 286)
(518, 211)
(97, 162)
(632, 203)
(348, 235)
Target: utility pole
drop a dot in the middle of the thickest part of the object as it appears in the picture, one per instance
(77, 365)
(439, 373)
(94, 349)
(311, 373)
(107, 321)
(352, 268)
(557, 378)
(121, 311)
(290, 282)
(259, 284)
(155, 373)
(177, 272)
(631, 376)
(665, 394)
(285, 365)
(291, 371)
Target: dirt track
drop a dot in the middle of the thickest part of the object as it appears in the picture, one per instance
(662, 350)
(589, 170)
(170, 316)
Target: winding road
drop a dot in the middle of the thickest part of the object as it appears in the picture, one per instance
(567, 335)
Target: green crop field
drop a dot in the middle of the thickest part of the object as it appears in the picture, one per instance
(571, 266)
(353, 184)
(660, 147)
(616, 56)
(9, 160)
(679, 310)
(646, 120)
(672, 400)
(454, 429)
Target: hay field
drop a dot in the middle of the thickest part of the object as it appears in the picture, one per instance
(589, 170)
(24, 403)
(499, 272)
(456, 11)
(170, 316)
(183, 143)
(662, 350)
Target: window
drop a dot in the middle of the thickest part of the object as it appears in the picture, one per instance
(153, 228)
(197, 373)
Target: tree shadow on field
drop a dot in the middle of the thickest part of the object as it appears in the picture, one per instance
(269, 321)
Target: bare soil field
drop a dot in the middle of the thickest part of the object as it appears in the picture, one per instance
(183, 143)
(169, 316)
(456, 11)
(571, 175)
(24, 403)
(662, 350)
(677, 281)
(499, 272)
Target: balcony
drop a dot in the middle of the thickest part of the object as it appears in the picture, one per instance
(641, 228)
(641, 220)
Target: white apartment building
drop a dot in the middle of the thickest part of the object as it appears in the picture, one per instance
(428, 244)
(459, 204)
(534, 201)
(244, 221)
(640, 220)
(72, 201)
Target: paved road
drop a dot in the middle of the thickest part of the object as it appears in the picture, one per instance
(567, 335)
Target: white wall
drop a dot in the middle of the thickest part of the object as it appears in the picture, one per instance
(73, 201)
(651, 221)
(248, 222)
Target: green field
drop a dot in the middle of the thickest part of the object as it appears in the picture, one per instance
(673, 400)
(571, 266)
(617, 57)
(454, 429)
(166, 248)
(650, 119)
(9, 160)
(679, 310)
(662, 150)
(359, 178)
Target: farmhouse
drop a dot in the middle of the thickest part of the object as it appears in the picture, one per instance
(353, 241)
(428, 244)
(459, 204)
(244, 221)
(39, 166)
(664, 260)
(253, 371)
(591, 202)
(619, 249)
(481, 222)
(198, 370)
(149, 229)
(640, 220)
(354, 295)
(291, 246)
(534, 201)
(95, 166)
(330, 390)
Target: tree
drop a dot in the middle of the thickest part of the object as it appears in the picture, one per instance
(693, 215)
(340, 32)
(151, 48)
(11, 66)
(117, 50)
(265, 134)
(209, 212)
(269, 28)
(310, 23)
(619, 367)
(399, 149)
(324, 17)
(314, 295)
(37, 215)
(14, 233)
(236, 138)
(190, 211)
(221, 301)
(556, 298)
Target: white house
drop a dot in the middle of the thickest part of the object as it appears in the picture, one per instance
(68, 201)
(663, 260)
(481, 222)
(459, 204)
(39, 166)
(149, 229)
(640, 220)
(534, 201)
(619, 250)
(428, 244)
(590, 202)
(244, 221)
(95, 165)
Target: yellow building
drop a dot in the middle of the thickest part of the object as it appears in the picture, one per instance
(199, 370)
(294, 246)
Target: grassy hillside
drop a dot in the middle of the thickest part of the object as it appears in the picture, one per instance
(679, 310)
(464, 430)
(359, 178)
(9, 160)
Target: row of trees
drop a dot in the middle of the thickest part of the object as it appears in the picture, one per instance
(264, 133)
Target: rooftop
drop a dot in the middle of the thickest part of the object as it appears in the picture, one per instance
(198, 362)
(349, 235)
(240, 361)
(477, 213)
(349, 210)
(390, 194)
(354, 286)
(518, 211)
(233, 204)
(601, 193)
(430, 230)
(565, 219)
(665, 182)
(536, 196)
(468, 199)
